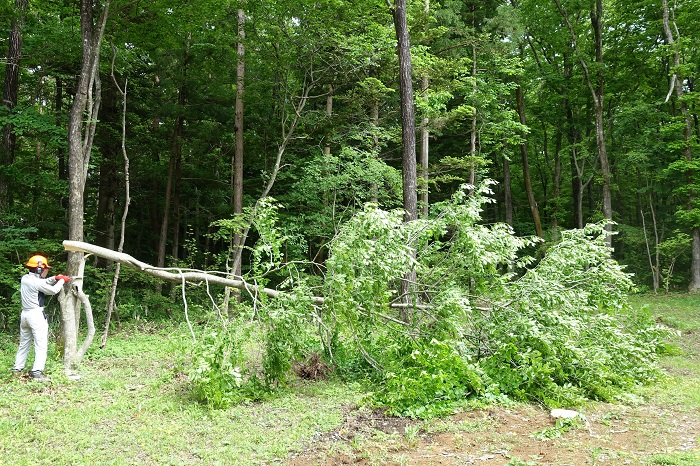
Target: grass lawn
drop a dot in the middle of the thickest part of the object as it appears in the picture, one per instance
(132, 407)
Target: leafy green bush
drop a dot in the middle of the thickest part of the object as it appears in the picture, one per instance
(427, 380)
(483, 318)
(556, 330)
(218, 376)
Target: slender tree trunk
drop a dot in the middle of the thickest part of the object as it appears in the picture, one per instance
(238, 130)
(408, 137)
(237, 165)
(175, 230)
(424, 144)
(408, 124)
(424, 158)
(173, 168)
(111, 305)
(677, 83)
(508, 201)
(556, 181)
(472, 134)
(526, 166)
(374, 189)
(164, 224)
(9, 99)
(598, 99)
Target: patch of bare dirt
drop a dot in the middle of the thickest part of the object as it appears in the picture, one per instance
(610, 435)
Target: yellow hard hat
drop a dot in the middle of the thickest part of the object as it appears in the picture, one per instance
(37, 261)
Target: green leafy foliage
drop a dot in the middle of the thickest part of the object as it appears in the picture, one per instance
(216, 376)
(556, 330)
(428, 380)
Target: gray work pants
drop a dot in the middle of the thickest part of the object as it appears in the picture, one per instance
(33, 325)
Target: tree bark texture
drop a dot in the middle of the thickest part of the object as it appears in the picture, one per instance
(238, 153)
(408, 123)
(598, 99)
(424, 157)
(408, 138)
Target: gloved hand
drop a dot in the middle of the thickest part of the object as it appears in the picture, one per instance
(62, 277)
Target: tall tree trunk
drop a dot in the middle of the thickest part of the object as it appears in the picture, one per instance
(598, 99)
(9, 99)
(81, 131)
(677, 83)
(596, 88)
(472, 134)
(572, 136)
(526, 165)
(238, 129)
(175, 156)
(408, 136)
(556, 181)
(408, 123)
(173, 166)
(237, 163)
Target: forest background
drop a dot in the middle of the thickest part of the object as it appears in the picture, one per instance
(581, 111)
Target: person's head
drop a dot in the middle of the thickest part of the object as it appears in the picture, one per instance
(38, 264)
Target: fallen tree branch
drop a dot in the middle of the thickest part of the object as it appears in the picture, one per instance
(174, 277)
(180, 276)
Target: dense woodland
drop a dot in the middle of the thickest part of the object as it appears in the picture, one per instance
(419, 195)
(579, 110)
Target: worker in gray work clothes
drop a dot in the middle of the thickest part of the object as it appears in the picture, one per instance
(34, 323)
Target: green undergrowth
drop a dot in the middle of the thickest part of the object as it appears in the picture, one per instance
(133, 406)
(499, 318)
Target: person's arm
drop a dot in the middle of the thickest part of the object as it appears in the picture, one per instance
(51, 285)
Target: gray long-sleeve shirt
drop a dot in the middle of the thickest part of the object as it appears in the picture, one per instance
(33, 288)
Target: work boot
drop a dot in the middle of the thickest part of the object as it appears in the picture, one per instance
(38, 376)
